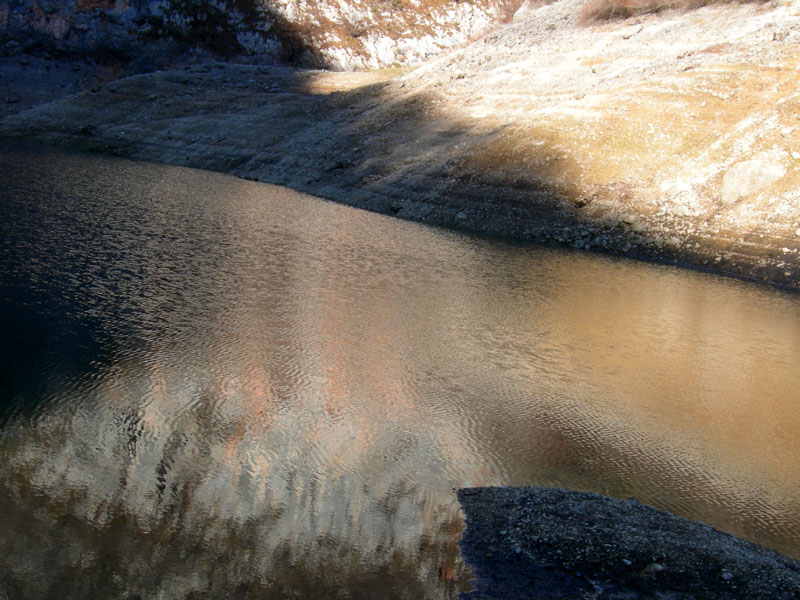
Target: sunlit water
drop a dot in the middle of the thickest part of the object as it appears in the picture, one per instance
(216, 388)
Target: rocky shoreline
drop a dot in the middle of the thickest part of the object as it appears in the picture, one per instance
(544, 131)
(553, 544)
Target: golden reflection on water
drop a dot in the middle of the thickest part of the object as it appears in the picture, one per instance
(282, 393)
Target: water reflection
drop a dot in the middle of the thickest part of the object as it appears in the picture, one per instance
(214, 388)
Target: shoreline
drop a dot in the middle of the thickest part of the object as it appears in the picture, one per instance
(607, 159)
(554, 231)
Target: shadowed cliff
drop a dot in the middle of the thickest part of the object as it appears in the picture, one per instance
(143, 35)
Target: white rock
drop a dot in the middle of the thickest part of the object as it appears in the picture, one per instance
(751, 176)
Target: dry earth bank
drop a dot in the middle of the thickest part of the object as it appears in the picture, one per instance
(672, 137)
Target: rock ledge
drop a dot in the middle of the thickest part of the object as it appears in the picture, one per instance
(546, 543)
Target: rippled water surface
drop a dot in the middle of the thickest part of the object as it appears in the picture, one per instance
(215, 388)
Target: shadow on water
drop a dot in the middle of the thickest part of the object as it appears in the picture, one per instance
(36, 337)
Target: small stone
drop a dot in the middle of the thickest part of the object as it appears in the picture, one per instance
(461, 216)
(795, 155)
(726, 575)
(797, 232)
(654, 568)
(626, 562)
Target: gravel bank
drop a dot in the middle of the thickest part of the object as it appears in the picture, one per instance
(557, 544)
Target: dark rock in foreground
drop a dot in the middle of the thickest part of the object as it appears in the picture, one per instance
(551, 544)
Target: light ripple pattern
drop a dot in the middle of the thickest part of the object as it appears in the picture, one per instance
(217, 388)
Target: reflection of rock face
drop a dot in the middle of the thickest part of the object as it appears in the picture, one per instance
(334, 33)
(218, 486)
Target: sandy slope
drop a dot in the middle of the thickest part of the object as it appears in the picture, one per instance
(668, 137)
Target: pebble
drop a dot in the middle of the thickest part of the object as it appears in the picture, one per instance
(654, 568)
(797, 232)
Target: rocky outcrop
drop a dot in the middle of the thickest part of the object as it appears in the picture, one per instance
(555, 544)
(337, 34)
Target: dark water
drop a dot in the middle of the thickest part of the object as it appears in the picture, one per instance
(215, 388)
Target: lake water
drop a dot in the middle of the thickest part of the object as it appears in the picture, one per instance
(217, 388)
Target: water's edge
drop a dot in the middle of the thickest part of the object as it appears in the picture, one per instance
(344, 155)
(553, 543)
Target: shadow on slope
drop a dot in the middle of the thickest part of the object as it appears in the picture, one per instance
(378, 142)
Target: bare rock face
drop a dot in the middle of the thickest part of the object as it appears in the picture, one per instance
(337, 34)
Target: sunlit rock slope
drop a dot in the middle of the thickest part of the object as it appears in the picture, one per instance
(673, 136)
